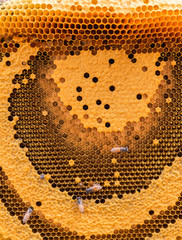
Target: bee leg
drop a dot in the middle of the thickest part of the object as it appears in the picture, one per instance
(75, 206)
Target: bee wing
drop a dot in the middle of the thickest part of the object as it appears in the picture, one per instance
(25, 218)
(99, 187)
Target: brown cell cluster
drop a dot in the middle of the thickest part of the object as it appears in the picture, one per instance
(54, 137)
(49, 231)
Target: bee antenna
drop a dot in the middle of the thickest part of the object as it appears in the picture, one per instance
(115, 143)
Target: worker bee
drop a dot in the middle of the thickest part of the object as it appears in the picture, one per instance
(42, 176)
(80, 204)
(94, 188)
(119, 149)
(27, 215)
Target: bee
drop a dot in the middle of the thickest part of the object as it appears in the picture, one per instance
(42, 176)
(80, 204)
(27, 214)
(119, 149)
(94, 188)
(45, 176)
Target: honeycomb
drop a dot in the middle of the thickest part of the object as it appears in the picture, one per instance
(79, 78)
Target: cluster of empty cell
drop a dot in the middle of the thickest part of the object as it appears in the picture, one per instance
(99, 23)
